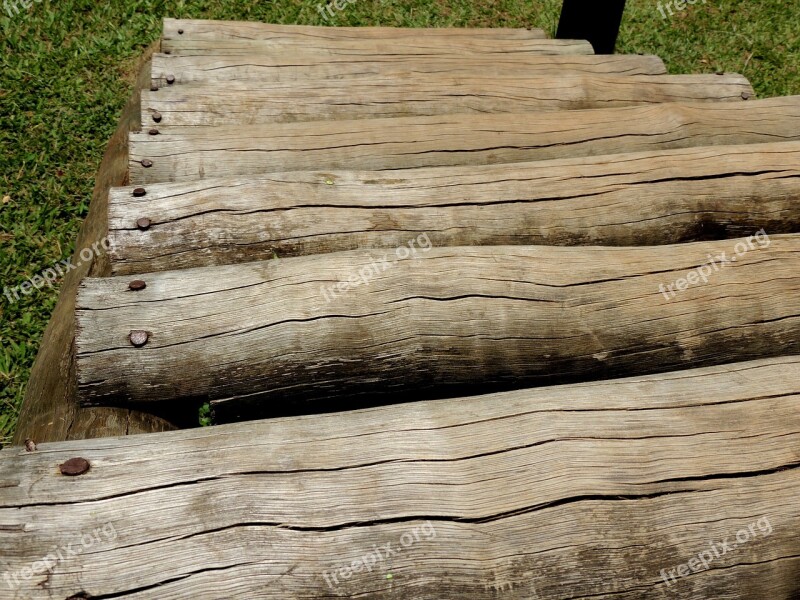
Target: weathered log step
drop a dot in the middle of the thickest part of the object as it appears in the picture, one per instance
(175, 30)
(423, 45)
(372, 97)
(420, 321)
(575, 479)
(300, 66)
(188, 153)
(166, 153)
(624, 199)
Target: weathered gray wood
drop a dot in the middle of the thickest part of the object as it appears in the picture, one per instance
(49, 411)
(379, 325)
(181, 153)
(176, 30)
(585, 491)
(372, 97)
(302, 66)
(403, 45)
(624, 199)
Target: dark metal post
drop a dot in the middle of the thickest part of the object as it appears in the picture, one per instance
(595, 20)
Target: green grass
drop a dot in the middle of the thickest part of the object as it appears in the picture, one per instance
(66, 73)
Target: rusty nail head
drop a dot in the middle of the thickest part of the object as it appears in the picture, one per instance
(170, 79)
(74, 466)
(153, 87)
(147, 163)
(137, 285)
(167, 51)
(153, 132)
(143, 223)
(180, 31)
(138, 337)
(139, 192)
(157, 117)
(746, 95)
(30, 445)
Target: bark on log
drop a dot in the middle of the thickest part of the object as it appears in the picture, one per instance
(176, 30)
(625, 199)
(299, 66)
(580, 491)
(374, 97)
(331, 331)
(49, 411)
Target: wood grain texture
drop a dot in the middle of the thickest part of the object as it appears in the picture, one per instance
(49, 411)
(373, 97)
(405, 44)
(582, 491)
(311, 333)
(184, 153)
(642, 198)
(302, 66)
(175, 30)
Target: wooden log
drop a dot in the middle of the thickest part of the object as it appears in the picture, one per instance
(423, 322)
(49, 411)
(428, 44)
(190, 153)
(302, 66)
(662, 197)
(185, 153)
(599, 490)
(181, 30)
(387, 97)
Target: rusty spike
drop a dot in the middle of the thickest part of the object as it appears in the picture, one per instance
(138, 338)
(74, 467)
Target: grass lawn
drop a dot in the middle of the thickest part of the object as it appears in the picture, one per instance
(66, 73)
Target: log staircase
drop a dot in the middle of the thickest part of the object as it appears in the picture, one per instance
(478, 313)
